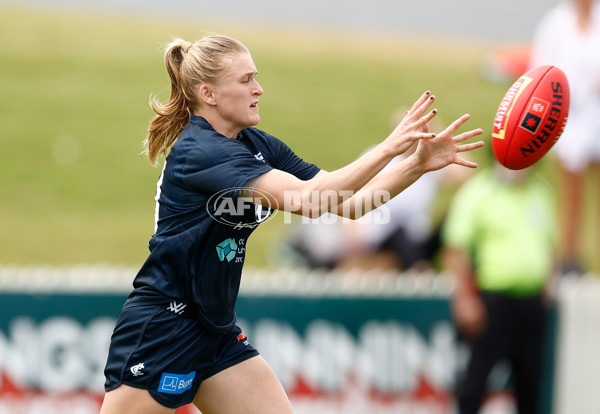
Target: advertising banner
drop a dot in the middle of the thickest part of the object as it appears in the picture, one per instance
(333, 353)
(357, 354)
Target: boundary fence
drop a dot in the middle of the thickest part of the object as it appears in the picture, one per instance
(351, 343)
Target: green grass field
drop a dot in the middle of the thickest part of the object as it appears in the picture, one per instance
(74, 112)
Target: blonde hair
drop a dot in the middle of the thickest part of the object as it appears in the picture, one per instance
(189, 65)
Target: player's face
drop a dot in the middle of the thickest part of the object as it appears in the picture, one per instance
(236, 94)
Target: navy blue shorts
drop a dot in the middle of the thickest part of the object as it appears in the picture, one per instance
(169, 355)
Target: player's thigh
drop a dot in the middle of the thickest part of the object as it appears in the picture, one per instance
(250, 387)
(130, 400)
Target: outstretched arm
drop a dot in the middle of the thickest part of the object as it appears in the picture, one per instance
(338, 191)
(431, 154)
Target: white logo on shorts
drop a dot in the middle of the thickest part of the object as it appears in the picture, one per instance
(136, 370)
(177, 308)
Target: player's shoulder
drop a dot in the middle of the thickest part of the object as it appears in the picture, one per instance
(263, 141)
(260, 136)
(198, 147)
(199, 141)
(197, 132)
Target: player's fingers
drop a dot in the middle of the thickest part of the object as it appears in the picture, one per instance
(469, 147)
(424, 106)
(465, 163)
(457, 124)
(424, 120)
(467, 135)
(426, 135)
(424, 100)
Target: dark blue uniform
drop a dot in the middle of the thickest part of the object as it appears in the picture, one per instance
(178, 325)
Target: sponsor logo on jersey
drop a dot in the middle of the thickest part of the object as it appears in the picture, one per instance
(227, 249)
(176, 383)
(243, 338)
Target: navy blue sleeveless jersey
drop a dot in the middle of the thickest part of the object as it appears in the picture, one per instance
(202, 226)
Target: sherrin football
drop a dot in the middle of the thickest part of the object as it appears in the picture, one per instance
(531, 117)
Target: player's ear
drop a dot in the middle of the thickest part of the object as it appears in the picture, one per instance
(206, 94)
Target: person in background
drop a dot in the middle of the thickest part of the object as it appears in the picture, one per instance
(568, 36)
(499, 245)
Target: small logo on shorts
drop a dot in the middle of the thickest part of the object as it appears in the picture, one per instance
(136, 370)
(176, 383)
(177, 308)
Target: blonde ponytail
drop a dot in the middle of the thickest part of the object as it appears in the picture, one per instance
(189, 65)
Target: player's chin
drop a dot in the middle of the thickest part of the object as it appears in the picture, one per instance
(254, 119)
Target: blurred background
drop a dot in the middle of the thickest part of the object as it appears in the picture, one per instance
(77, 195)
(77, 76)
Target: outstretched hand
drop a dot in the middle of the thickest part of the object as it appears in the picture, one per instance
(414, 125)
(443, 149)
(434, 151)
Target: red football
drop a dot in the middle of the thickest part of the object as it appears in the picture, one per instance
(531, 117)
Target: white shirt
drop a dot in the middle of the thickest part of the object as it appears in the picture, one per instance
(558, 41)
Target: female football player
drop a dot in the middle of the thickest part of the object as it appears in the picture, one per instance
(176, 341)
